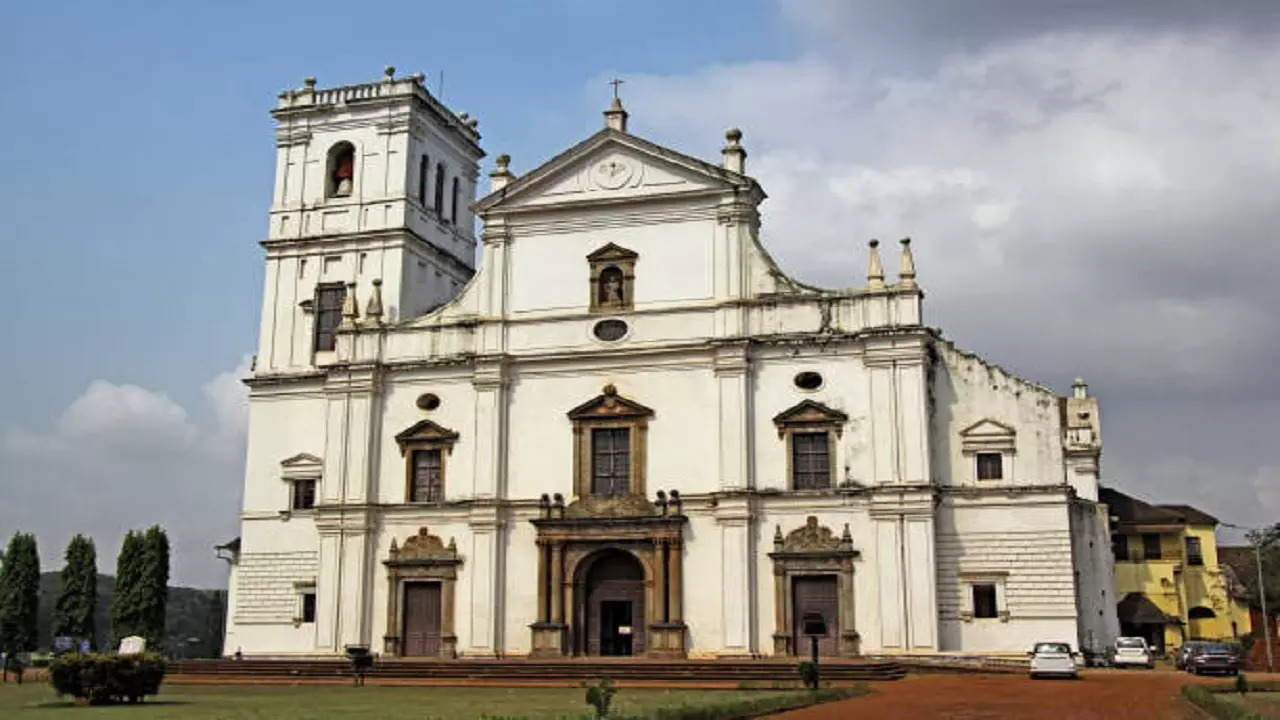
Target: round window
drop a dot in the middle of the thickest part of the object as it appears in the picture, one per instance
(428, 401)
(610, 330)
(808, 380)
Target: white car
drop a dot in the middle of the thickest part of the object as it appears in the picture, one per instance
(1133, 651)
(1053, 658)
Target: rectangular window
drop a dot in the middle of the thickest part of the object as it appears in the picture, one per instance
(439, 199)
(1120, 548)
(328, 309)
(990, 466)
(984, 601)
(810, 461)
(309, 606)
(1151, 546)
(304, 494)
(428, 477)
(1194, 554)
(424, 170)
(610, 461)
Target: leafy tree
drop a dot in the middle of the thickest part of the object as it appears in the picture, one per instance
(77, 592)
(126, 602)
(1269, 539)
(154, 581)
(19, 598)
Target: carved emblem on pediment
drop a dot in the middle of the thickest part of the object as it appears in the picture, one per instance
(809, 414)
(630, 505)
(426, 432)
(812, 537)
(609, 404)
(613, 173)
(422, 546)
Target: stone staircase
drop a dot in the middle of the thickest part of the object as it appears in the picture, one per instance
(569, 672)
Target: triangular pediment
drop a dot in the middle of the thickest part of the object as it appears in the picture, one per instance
(809, 412)
(612, 253)
(302, 465)
(988, 428)
(608, 166)
(426, 432)
(609, 404)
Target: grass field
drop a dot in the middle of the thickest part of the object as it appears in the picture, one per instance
(37, 700)
(1266, 704)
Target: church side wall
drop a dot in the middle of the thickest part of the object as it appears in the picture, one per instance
(1095, 584)
(1023, 547)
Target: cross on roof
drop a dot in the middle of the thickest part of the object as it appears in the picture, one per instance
(615, 83)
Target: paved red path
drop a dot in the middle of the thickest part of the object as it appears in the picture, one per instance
(1099, 694)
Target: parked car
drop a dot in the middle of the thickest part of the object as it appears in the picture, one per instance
(1052, 659)
(1213, 658)
(1132, 651)
(1180, 658)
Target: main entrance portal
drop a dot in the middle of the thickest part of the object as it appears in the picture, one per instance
(613, 614)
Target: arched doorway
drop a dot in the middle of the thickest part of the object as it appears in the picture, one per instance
(1202, 623)
(611, 616)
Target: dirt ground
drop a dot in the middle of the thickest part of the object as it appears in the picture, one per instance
(1100, 694)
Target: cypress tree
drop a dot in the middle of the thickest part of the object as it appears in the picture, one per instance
(19, 596)
(125, 601)
(78, 592)
(155, 586)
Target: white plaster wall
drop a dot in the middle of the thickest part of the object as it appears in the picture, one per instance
(280, 428)
(1026, 547)
(966, 390)
(520, 586)
(703, 593)
(400, 412)
(1095, 568)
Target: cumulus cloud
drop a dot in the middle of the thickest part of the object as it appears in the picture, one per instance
(123, 457)
(1089, 197)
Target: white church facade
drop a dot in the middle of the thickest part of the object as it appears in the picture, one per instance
(625, 431)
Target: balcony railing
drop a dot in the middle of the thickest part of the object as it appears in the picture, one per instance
(1138, 556)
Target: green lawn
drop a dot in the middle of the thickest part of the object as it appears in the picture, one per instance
(36, 700)
(1266, 704)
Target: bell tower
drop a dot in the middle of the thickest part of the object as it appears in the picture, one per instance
(373, 191)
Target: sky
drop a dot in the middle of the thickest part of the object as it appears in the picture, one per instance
(1089, 187)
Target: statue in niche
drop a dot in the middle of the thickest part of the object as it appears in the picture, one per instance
(343, 172)
(611, 288)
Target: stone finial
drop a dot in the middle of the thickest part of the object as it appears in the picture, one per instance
(735, 156)
(616, 117)
(662, 502)
(310, 82)
(453, 546)
(677, 503)
(350, 311)
(388, 73)
(777, 538)
(846, 538)
(373, 311)
(1080, 388)
(907, 268)
(501, 176)
(418, 77)
(875, 271)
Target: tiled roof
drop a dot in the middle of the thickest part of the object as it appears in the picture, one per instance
(1129, 509)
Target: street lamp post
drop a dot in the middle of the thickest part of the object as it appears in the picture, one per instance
(1256, 541)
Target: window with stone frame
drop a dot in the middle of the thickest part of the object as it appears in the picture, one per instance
(427, 484)
(426, 446)
(811, 460)
(328, 312)
(1195, 554)
(990, 465)
(609, 436)
(810, 430)
(612, 274)
(304, 494)
(1151, 546)
(984, 601)
(610, 461)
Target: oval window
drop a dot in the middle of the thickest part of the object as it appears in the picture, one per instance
(610, 330)
(428, 401)
(808, 380)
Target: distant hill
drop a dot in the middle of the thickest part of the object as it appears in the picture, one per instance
(193, 622)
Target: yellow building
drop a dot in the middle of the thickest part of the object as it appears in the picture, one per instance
(1168, 581)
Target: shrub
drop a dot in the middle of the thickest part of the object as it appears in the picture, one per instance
(1206, 700)
(103, 679)
(809, 674)
(1242, 683)
(600, 697)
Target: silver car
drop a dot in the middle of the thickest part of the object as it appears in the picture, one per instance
(1133, 651)
(1053, 659)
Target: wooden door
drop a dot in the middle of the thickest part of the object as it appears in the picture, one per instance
(817, 594)
(422, 620)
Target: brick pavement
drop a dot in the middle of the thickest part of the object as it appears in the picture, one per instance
(1098, 695)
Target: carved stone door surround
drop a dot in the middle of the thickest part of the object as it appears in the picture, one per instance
(422, 557)
(810, 550)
